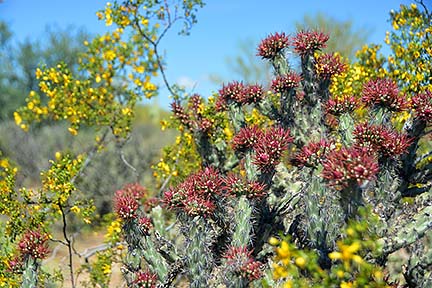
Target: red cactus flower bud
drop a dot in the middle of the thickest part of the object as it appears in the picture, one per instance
(34, 244)
(194, 103)
(196, 195)
(145, 279)
(233, 91)
(348, 166)
(328, 65)
(312, 154)
(422, 105)
(380, 139)
(236, 186)
(180, 113)
(145, 225)
(285, 82)
(125, 205)
(253, 94)
(246, 138)
(241, 262)
(383, 93)
(338, 106)
(306, 42)
(270, 147)
(272, 45)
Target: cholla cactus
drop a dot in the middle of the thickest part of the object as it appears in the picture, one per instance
(252, 185)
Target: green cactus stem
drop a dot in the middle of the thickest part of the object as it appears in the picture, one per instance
(30, 274)
(199, 256)
(243, 225)
(346, 128)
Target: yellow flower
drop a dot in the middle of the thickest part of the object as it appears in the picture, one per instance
(75, 209)
(283, 251)
(273, 241)
(106, 269)
(109, 55)
(17, 118)
(73, 131)
(139, 69)
(300, 261)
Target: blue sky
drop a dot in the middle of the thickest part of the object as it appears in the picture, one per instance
(221, 25)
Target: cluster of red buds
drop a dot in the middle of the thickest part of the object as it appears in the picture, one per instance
(195, 102)
(193, 118)
(196, 195)
(15, 265)
(272, 45)
(286, 82)
(338, 106)
(34, 244)
(380, 139)
(126, 200)
(312, 154)
(383, 93)
(422, 104)
(306, 42)
(125, 205)
(240, 261)
(237, 92)
(328, 65)
(237, 186)
(145, 225)
(349, 166)
(270, 147)
(145, 280)
(180, 113)
(247, 138)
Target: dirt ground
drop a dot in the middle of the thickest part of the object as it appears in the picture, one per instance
(59, 258)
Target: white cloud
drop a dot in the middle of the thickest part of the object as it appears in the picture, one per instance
(187, 82)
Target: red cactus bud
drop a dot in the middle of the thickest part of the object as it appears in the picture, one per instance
(285, 82)
(339, 106)
(236, 186)
(272, 45)
(328, 65)
(383, 93)
(34, 244)
(253, 94)
(125, 205)
(422, 104)
(306, 42)
(270, 147)
(246, 138)
(145, 279)
(145, 224)
(312, 154)
(135, 190)
(380, 139)
(347, 166)
(241, 262)
(233, 91)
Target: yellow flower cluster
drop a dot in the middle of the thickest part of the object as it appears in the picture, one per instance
(369, 65)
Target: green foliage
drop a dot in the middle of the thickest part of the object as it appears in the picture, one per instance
(17, 74)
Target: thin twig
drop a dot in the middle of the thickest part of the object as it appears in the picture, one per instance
(69, 244)
(89, 158)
